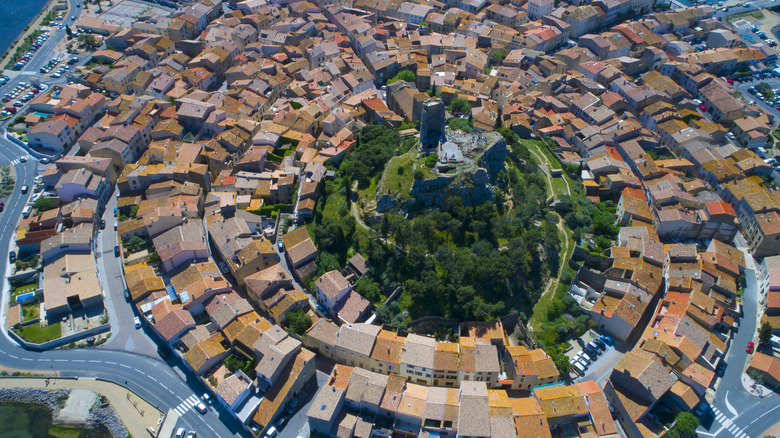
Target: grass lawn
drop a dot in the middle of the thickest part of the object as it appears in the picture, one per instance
(37, 334)
(23, 289)
(539, 147)
(398, 177)
(30, 311)
(369, 193)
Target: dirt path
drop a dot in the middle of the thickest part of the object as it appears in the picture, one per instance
(568, 244)
(354, 209)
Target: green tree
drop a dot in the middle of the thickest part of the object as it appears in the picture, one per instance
(134, 210)
(42, 204)
(234, 363)
(403, 75)
(499, 56)
(765, 333)
(684, 427)
(460, 106)
(298, 321)
(368, 289)
(430, 160)
(461, 125)
(135, 242)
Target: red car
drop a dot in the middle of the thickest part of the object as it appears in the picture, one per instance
(751, 347)
(730, 81)
(702, 107)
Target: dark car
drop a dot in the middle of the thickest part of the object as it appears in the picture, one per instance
(102, 224)
(116, 251)
(590, 350)
(600, 343)
(720, 370)
(11, 256)
(127, 295)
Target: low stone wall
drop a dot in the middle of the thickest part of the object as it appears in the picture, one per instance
(61, 341)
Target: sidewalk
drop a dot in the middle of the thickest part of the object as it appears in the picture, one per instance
(135, 412)
(753, 389)
(35, 24)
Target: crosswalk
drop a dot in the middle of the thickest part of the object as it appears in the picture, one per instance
(184, 406)
(728, 424)
(18, 160)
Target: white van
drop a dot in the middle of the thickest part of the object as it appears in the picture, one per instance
(579, 368)
(26, 211)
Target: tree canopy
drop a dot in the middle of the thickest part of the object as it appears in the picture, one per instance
(403, 75)
(298, 321)
(460, 106)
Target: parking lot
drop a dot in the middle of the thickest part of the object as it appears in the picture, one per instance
(600, 366)
(773, 82)
(124, 13)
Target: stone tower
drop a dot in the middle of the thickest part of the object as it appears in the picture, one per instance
(431, 124)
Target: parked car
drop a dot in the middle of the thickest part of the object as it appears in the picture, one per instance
(600, 343)
(751, 347)
(116, 250)
(102, 224)
(272, 432)
(45, 160)
(137, 321)
(224, 267)
(578, 367)
(280, 244)
(180, 432)
(594, 346)
(127, 295)
(12, 256)
(201, 408)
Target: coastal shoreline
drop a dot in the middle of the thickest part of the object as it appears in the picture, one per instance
(32, 25)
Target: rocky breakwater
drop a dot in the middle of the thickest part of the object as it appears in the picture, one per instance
(54, 400)
(104, 415)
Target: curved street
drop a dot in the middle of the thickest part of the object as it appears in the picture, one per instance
(130, 357)
(736, 413)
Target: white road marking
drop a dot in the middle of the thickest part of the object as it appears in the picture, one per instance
(142, 373)
(163, 385)
(212, 429)
(45, 360)
(152, 378)
(111, 363)
(178, 411)
(719, 417)
(60, 360)
(733, 428)
(95, 361)
(728, 405)
(27, 359)
(765, 413)
(15, 357)
(123, 365)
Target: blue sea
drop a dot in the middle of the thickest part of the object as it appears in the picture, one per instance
(14, 16)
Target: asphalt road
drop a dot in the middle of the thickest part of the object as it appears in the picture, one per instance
(737, 413)
(149, 377)
(743, 88)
